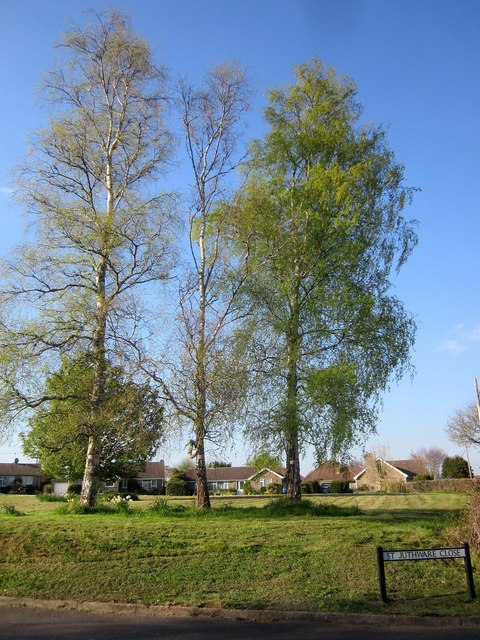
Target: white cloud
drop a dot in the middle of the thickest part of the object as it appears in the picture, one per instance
(452, 346)
(475, 333)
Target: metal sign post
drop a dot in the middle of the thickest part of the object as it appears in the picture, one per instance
(400, 555)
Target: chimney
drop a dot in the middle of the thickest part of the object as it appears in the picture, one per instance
(15, 461)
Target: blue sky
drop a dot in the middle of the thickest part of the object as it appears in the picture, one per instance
(416, 64)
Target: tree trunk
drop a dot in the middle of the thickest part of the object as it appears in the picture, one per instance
(292, 477)
(203, 497)
(90, 483)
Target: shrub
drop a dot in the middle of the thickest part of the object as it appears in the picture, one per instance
(47, 488)
(455, 467)
(247, 488)
(121, 504)
(74, 487)
(133, 496)
(306, 487)
(471, 517)
(11, 510)
(162, 508)
(274, 488)
(395, 487)
(177, 486)
(422, 477)
(281, 507)
(339, 486)
(50, 497)
(133, 486)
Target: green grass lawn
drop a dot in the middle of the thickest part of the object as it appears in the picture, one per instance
(240, 556)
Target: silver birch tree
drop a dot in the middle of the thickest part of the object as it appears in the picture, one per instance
(203, 383)
(100, 227)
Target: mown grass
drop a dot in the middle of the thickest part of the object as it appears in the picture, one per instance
(318, 557)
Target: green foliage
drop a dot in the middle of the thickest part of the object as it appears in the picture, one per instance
(323, 209)
(274, 488)
(422, 476)
(74, 488)
(248, 489)
(177, 486)
(339, 486)
(455, 467)
(468, 528)
(218, 464)
(306, 488)
(50, 497)
(129, 427)
(264, 460)
(392, 486)
(284, 508)
(163, 508)
(185, 465)
(11, 510)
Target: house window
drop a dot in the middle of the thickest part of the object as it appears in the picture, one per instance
(27, 479)
(240, 485)
(150, 484)
(109, 484)
(262, 482)
(1, 481)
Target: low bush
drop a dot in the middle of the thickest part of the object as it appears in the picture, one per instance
(162, 508)
(248, 490)
(274, 489)
(339, 486)
(50, 497)
(282, 508)
(306, 487)
(178, 486)
(395, 487)
(11, 510)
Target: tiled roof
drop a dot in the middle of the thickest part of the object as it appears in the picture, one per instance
(153, 470)
(20, 469)
(413, 467)
(219, 474)
(330, 471)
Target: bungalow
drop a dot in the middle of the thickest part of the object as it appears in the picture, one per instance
(378, 472)
(332, 471)
(21, 474)
(154, 477)
(233, 479)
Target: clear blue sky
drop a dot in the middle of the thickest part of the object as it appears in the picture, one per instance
(417, 66)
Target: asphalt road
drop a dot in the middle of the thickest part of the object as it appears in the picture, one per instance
(29, 623)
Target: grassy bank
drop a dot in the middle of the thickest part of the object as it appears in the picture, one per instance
(241, 556)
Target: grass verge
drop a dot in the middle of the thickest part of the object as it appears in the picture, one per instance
(312, 557)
